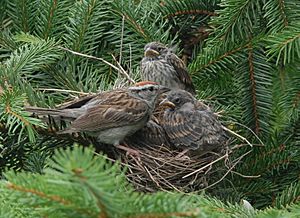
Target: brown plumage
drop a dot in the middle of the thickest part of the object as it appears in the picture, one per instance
(152, 134)
(190, 123)
(161, 65)
(112, 115)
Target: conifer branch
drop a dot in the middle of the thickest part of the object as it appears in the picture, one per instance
(38, 193)
(253, 89)
(196, 12)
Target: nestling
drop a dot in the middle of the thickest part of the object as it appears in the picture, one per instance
(161, 65)
(190, 123)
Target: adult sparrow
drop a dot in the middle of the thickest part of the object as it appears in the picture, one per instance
(191, 124)
(111, 115)
(161, 65)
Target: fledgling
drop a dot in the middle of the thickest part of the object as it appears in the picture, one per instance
(161, 65)
(191, 124)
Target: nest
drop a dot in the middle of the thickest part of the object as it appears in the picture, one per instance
(165, 168)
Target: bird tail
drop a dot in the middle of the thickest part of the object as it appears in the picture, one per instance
(65, 113)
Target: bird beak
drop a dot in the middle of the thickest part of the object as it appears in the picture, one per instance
(151, 53)
(167, 103)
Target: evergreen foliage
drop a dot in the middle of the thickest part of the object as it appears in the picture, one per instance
(243, 55)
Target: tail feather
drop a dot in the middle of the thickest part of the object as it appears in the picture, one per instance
(66, 113)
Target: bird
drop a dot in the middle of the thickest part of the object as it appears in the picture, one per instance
(161, 65)
(190, 124)
(110, 116)
(152, 134)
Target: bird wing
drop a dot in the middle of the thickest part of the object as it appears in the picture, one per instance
(197, 129)
(181, 72)
(77, 102)
(92, 99)
(110, 115)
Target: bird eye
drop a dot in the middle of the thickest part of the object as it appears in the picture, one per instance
(177, 100)
(151, 88)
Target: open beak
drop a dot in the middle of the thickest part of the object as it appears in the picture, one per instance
(151, 53)
(167, 103)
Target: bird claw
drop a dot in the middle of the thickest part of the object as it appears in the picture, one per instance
(134, 153)
(130, 152)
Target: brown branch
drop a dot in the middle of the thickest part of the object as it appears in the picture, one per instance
(38, 193)
(224, 56)
(184, 12)
(194, 213)
(290, 40)
(54, 198)
(296, 100)
(282, 6)
(101, 206)
(136, 25)
(253, 89)
(9, 111)
(50, 18)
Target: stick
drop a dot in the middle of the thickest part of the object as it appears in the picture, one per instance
(122, 36)
(211, 163)
(239, 136)
(230, 169)
(245, 176)
(256, 136)
(120, 70)
(63, 90)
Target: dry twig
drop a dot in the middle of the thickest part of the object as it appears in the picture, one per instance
(120, 70)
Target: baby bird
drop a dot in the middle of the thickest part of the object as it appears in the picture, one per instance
(190, 123)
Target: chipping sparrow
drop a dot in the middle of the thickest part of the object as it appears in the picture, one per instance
(111, 115)
(161, 65)
(190, 123)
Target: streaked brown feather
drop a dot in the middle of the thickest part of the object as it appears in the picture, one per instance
(150, 135)
(191, 123)
(115, 114)
(166, 68)
(181, 72)
(194, 129)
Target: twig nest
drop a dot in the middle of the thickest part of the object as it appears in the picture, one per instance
(165, 168)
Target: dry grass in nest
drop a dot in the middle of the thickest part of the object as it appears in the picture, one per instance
(163, 168)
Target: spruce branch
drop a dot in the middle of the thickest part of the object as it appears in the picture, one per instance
(275, 12)
(237, 19)
(285, 45)
(17, 120)
(253, 89)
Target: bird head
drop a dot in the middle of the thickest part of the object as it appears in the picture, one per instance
(176, 99)
(155, 49)
(146, 90)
